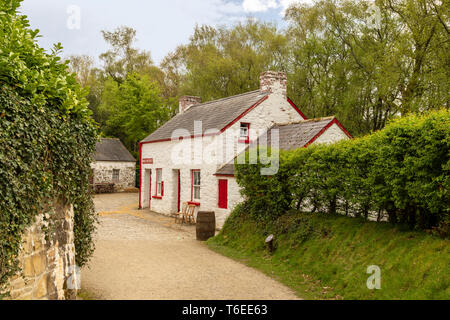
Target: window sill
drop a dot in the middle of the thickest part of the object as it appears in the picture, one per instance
(197, 204)
(157, 197)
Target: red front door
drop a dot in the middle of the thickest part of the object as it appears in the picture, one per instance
(179, 190)
(223, 194)
(150, 192)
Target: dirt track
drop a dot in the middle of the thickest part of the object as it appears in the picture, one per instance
(143, 255)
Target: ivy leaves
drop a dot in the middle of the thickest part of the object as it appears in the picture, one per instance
(37, 75)
(47, 138)
(42, 156)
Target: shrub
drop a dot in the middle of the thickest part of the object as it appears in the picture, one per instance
(401, 171)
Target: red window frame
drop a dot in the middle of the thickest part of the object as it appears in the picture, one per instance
(192, 186)
(158, 196)
(247, 139)
(223, 194)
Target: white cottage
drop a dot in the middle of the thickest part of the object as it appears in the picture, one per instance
(190, 158)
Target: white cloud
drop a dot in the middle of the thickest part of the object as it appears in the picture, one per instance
(265, 5)
(161, 25)
(285, 4)
(259, 5)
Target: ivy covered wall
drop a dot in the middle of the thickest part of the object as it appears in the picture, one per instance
(47, 138)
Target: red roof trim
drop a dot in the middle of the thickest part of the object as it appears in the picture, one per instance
(213, 134)
(334, 121)
(236, 120)
(343, 128)
(244, 113)
(297, 109)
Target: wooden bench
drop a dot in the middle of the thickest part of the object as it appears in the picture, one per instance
(104, 188)
(186, 215)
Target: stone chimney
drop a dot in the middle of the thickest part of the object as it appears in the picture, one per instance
(188, 101)
(273, 82)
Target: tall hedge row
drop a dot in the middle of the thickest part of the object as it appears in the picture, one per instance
(400, 173)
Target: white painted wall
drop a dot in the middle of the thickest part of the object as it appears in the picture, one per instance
(333, 134)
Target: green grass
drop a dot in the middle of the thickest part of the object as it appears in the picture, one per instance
(85, 295)
(326, 257)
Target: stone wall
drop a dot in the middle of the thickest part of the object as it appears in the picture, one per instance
(188, 101)
(48, 265)
(273, 82)
(103, 173)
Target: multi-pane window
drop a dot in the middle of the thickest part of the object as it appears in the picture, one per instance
(159, 182)
(196, 182)
(116, 175)
(244, 134)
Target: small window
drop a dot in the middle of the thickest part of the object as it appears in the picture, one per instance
(196, 182)
(159, 183)
(116, 175)
(244, 134)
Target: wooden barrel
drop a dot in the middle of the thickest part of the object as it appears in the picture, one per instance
(206, 225)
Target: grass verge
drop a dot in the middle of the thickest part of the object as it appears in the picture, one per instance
(326, 257)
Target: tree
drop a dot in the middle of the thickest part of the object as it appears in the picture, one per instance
(91, 78)
(367, 73)
(120, 63)
(221, 62)
(123, 59)
(365, 64)
(136, 109)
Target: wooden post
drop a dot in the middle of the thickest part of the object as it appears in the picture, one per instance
(269, 243)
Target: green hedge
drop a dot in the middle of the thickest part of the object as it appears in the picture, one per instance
(400, 172)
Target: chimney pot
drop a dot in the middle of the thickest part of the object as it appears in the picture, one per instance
(273, 82)
(188, 101)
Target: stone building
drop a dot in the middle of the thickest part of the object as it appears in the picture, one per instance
(190, 158)
(49, 271)
(113, 164)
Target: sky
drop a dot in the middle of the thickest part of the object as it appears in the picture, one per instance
(161, 25)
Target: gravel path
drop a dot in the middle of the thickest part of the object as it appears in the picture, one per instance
(141, 255)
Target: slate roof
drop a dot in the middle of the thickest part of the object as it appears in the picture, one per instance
(214, 115)
(226, 170)
(292, 136)
(297, 135)
(112, 150)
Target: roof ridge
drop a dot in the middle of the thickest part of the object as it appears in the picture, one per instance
(283, 124)
(223, 99)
